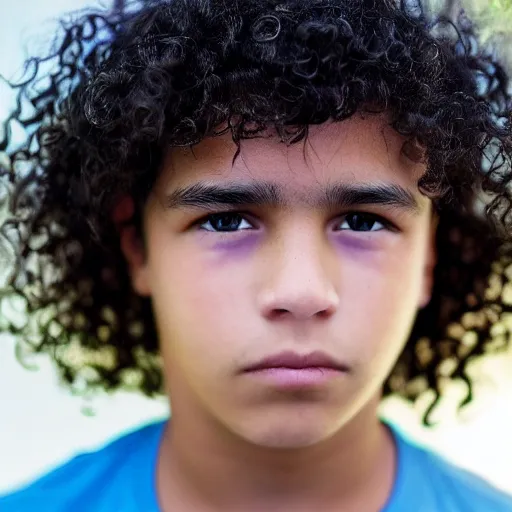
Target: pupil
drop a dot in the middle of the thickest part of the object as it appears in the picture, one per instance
(226, 222)
(360, 222)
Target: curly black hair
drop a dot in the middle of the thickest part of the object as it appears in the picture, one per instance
(121, 87)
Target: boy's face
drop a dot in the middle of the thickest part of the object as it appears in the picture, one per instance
(297, 274)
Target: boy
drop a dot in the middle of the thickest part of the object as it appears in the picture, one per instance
(276, 213)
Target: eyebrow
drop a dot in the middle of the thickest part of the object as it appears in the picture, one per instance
(261, 193)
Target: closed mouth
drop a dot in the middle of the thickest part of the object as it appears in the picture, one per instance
(294, 361)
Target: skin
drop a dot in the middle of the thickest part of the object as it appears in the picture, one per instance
(293, 275)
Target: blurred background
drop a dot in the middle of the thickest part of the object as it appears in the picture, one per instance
(42, 424)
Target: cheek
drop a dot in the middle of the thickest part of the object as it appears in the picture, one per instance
(197, 295)
(379, 302)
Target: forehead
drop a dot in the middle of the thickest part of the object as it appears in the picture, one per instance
(358, 150)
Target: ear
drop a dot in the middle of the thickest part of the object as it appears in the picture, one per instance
(430, 263)
(132, 245)
(134, 252)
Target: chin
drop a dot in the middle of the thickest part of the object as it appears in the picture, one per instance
(286, 433)
(289, 439)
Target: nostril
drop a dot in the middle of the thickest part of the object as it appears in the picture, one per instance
(278, 313)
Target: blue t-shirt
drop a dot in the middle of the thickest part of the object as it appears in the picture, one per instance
(121, 477)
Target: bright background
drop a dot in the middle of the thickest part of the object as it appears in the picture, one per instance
(41, 424)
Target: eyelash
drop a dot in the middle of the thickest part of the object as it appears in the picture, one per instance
(386, 225)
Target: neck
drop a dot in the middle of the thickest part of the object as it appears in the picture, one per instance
(208, 469)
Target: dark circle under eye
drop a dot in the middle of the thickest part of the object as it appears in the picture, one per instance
(363, 222)
(225, 221)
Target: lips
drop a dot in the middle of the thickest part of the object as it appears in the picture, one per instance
(292, 372)
(294, 361)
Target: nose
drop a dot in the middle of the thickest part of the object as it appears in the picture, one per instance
(300, 281)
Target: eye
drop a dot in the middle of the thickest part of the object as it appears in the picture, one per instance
(363, 222)
(225, 222)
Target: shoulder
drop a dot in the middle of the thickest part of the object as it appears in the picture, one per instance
(85, 480)
(472, 492)
(454, 489)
